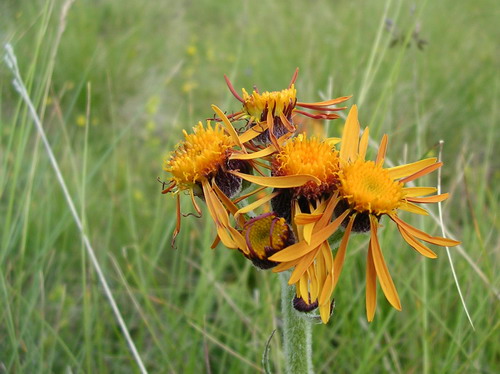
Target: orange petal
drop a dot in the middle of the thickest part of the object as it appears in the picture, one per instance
(231, 88)
(401, 171)
(363, 144)
(444, 242)
(382, 149)
(421, 173)
(332, 203)
(410, 207)
(229, 127)
(371, 285)
(340, 256)
(253, 132)
(215, 242)
(301, 248)
(228, 203)
(325, 312)
(350, 136)
(419, 247)
(305, 218)
(302, 266)
(287, 123)
(250, 156)
(286, 181)
(243, 197)
(256, 204)
(418, 191)
(285, 265)
(294, 78)
(429, 199)
(178, 222)
(381, 268)
(327, 102)
(326, 292)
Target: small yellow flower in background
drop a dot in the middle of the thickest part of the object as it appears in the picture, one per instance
(81, 120)
(368, 192)
(153, 104)
(189, 86)
(191, 50)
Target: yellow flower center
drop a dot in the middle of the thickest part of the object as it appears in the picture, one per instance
(278, 102)
(369, 188)
(199, 155)
(266, 235)
(308, 156)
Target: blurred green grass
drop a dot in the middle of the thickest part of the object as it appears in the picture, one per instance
(153, 68)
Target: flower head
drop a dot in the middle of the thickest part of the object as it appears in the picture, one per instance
(370, 191)
(265, 235)
(270, 113)
(199, 156)
(311, 156)
(200, 164)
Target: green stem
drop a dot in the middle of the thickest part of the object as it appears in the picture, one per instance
(297, 338)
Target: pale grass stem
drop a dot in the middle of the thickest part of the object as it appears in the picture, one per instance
(443, 231)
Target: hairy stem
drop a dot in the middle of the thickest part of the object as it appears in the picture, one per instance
(297, 338)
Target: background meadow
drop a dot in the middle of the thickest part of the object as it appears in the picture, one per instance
(116, 87)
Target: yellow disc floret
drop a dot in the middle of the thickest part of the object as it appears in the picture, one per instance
(278, 102)
(308, 156)
(199, 155)
(369, 188)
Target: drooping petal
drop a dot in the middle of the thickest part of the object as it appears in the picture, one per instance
(285, 181)
(419, 247)
(282, 266)
(325, 312)
(228, 203)
(178, 222)
(308, 231)
(301, 248)
(444, 242)
(256, 204)
(413, 208)
(371, 285)
(350, 136)
(302, 266)
(429, 199)
(340, 256)
(381, 268)
(401, 171)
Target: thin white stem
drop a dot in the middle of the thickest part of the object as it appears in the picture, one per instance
(11, 62)
(441, 222)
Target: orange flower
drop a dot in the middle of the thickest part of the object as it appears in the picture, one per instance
(270, 114)
(369, 191)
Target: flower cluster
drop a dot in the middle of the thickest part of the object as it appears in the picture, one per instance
(284, 199)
